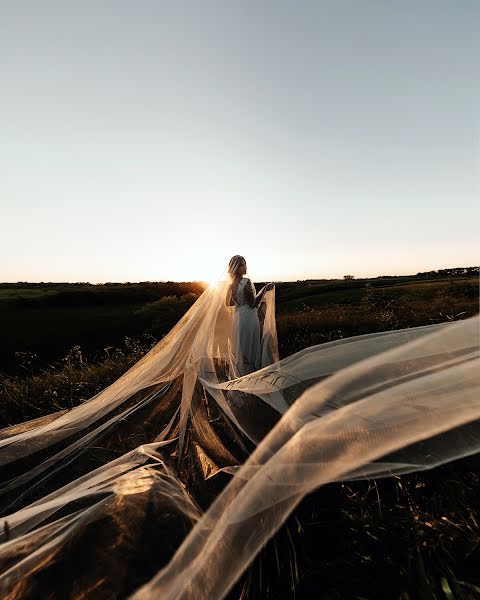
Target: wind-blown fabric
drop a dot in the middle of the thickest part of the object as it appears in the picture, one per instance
(152, 453)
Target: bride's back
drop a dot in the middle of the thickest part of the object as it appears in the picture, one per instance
(242, 293)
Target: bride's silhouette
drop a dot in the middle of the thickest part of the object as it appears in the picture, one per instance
(247, 347)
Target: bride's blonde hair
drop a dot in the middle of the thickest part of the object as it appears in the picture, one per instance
(234, 264)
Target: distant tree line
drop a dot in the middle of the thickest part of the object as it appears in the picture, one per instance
(454, 272)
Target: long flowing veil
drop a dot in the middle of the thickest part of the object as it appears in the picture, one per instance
(193, 472)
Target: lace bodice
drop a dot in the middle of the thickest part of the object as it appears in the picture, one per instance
(243, 293)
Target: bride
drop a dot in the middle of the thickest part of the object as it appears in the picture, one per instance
(246, 339)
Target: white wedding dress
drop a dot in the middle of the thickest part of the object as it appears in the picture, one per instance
(246, 345)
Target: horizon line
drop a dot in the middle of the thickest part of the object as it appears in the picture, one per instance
(355, 277)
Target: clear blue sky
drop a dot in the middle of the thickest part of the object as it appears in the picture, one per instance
(151, 140)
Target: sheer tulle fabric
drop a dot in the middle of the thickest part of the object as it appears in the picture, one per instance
(368, 406)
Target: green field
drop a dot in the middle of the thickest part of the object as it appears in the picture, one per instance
(49, 319)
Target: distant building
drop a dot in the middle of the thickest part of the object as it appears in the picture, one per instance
(349, 277)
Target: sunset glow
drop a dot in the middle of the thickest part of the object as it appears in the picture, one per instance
(158, 143)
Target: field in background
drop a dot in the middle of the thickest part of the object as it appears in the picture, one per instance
(40, 323)
(62, 343)
(47, 320)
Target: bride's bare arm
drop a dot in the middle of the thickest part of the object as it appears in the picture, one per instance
(251, 297)
(262, 293)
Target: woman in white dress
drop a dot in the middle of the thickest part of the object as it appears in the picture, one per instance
(246, 339)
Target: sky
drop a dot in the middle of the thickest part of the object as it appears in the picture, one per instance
(151, 140)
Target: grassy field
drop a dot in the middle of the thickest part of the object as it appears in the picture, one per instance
(49, 319)
(406, 538)
(63, 343)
